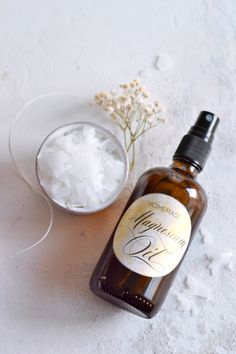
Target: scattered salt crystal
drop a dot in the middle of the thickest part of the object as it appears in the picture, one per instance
(206, 237)
(152, 325)
(145, 73)
(186, 298)
(197, 287)
(185, 301)
(218, 261)
(80, 168)
(163, 62)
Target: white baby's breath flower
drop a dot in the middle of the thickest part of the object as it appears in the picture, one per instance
(130, 112)
(110, 109)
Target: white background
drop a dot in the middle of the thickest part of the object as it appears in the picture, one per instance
(85, 47)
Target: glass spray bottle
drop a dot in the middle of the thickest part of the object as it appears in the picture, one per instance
(158, 223)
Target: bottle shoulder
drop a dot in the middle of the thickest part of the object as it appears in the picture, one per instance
(172, 175)
(174, 183)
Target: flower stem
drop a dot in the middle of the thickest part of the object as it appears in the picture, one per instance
(133, 157)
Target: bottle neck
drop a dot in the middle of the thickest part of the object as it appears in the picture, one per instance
(185, 168)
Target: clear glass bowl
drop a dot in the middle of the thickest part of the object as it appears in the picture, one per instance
(103, 134)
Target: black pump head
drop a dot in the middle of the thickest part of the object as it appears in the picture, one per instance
(196, 145)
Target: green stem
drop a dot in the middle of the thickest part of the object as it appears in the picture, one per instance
(133, 157)
(130, 144)
(144, 131)
(142, 125)
(125, 138)
(119, 125)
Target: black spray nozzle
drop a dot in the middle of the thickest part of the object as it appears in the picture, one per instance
(196, 145)
(205, 126)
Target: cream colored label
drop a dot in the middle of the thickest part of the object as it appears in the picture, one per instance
(153, 235)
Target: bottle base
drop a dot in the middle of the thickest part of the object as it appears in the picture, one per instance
(126, 302)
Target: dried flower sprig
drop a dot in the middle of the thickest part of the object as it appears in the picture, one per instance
(131, 111)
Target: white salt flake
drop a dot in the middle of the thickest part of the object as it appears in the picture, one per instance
(110, 146)
(185, 301)
(145, 73)
(89, 134)
(163, 62)
(205, 237)
(218, 261)
(66, 142)
(197, 287)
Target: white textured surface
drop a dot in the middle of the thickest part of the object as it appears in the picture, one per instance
(185, 51)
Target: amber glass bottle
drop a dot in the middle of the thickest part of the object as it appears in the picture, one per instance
(156, 227)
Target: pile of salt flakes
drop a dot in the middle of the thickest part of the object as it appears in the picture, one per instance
(80, 169)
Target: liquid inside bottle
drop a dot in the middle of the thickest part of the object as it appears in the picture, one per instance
(158, 223)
